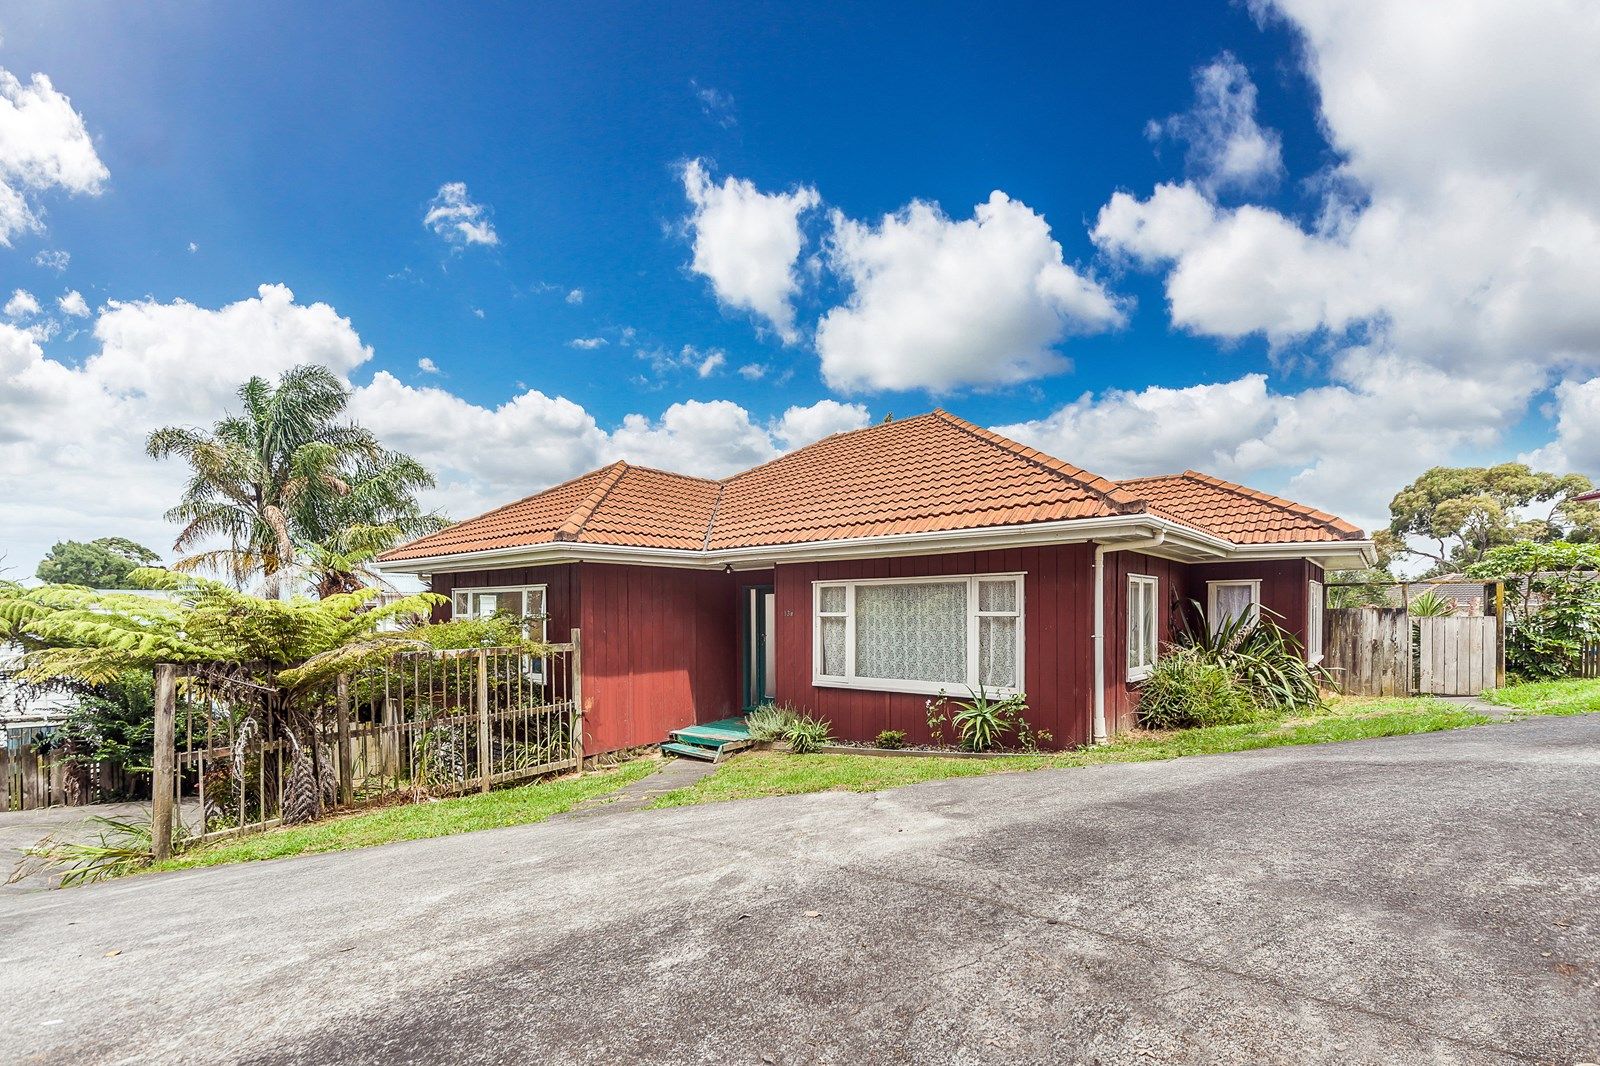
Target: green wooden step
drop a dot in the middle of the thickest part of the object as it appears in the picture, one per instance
(691, 751)
(710, 737)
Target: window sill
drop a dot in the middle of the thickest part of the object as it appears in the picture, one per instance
(1140, 675)
(954, 689)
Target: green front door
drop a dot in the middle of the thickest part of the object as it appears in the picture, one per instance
(760, 650)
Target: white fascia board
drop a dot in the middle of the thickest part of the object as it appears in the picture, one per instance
(1182, 542)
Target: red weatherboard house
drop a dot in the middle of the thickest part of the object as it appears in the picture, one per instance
(858, 576)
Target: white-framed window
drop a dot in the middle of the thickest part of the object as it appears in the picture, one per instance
(1143, 610)
(924, 634)
(519, 601)
(1314, 596)
(1227, 600)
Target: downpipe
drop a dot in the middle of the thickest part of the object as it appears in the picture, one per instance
(1100, 551)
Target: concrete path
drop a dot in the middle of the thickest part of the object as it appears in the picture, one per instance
(1430, 899)
(20, 830)
(673, 774)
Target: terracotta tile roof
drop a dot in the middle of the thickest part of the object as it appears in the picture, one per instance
(932, 473)
(617, 504)
(935, 472)
(1234, 512)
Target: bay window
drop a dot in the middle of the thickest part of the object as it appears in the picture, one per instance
(1142, 633)
(926, 634)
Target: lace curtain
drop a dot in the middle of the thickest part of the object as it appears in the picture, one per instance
(1232, 602)
(910, 632)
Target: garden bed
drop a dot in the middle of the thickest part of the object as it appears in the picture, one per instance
(925, 753)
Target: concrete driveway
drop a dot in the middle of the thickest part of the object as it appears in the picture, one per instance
(1421, 899)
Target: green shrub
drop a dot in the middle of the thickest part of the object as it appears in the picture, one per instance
(1260, 656)
(1188, 689)
(981, 722)
(806, 734)
(769, 722)
(892, 739)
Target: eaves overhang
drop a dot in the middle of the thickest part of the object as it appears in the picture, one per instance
(1181, 542)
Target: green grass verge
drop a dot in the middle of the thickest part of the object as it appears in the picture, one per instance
(1549, 697)
(781, 774)
(523, 805)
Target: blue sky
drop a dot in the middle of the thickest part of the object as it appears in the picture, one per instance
(301, 145)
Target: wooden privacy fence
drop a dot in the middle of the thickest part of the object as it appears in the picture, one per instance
(1367, 650)
(418, 725)
(1383, 651)
(29, 781)
(1457, 656)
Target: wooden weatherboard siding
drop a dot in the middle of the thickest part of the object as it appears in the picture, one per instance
(561, 592)
(1284, 587)
(1057, 610)
(660, 651)
(1173, 593)
(659, 644)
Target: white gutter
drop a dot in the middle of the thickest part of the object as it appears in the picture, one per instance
(1100, 551)
(1066, 531)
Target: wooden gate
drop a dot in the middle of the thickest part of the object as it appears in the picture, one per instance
(1459, 656)
(1368, 650)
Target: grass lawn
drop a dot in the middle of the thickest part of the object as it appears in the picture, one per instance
(523, 805)
(781, 774)
(1549, 697)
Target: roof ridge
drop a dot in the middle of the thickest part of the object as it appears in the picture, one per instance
(1338, 525)
(572, 528)
(711, 519)
(831, 436)
(670, 473)
(1107, 489)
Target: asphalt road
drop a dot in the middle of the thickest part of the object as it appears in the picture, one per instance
(1421, 899)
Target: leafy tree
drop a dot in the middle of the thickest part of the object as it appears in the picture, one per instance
(277, 656)
(1555, 590)
(104, 563)
(1466, 511)
(284, 478)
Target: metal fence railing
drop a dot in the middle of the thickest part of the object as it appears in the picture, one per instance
(234, 756)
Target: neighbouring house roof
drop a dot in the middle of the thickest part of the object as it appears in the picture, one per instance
(930, 474)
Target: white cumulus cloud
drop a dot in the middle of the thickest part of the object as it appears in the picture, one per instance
(1227, 148)
(72, 303)
(454, 216)
(22, 304)
(1442, 276)
(938, 304)
(747, 242)
(44, 145)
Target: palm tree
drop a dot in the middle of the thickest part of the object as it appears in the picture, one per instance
(285, 476)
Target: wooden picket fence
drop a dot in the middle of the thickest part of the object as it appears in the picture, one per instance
(1589, 661)
(30, 781)
(420, 725)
